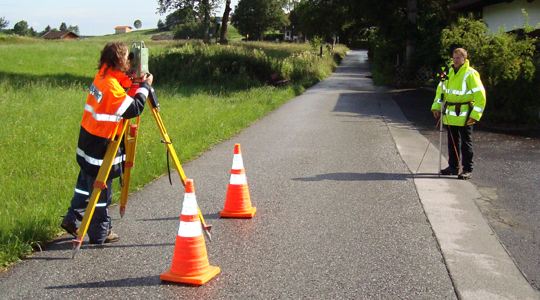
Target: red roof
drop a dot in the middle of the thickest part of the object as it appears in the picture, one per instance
(122, 27)
(57, 35)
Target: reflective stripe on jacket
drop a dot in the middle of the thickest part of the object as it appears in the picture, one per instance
(463, 87)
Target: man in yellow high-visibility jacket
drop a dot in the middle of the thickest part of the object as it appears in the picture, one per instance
(464, 103)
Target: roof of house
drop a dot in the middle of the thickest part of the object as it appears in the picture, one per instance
(477, 4)
(53, 35)
(122, 27)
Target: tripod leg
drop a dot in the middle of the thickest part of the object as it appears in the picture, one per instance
(130, 143)
(99, 185)
(176, 161)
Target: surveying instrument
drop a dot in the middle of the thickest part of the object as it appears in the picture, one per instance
(138, 57)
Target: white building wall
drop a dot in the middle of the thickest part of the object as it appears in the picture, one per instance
(509, 15)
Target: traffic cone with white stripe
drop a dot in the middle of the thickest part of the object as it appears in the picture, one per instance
(190, 261)
(238, 201)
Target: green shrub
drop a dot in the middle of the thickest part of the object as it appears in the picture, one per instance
(193, 30)
(243, 65)
(508, 67)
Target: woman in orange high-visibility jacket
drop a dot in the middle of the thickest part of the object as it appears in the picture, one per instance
(106, 107)
(465, 101)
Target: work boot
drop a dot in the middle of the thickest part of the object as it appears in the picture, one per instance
(111, 238)
(449, 171)
(465, 175)
(70, 228)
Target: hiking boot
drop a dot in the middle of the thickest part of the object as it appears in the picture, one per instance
(465, 175)
(111, 238)
(449, 171)
(70, 228)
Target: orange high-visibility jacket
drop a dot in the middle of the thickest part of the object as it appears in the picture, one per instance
(106, 107)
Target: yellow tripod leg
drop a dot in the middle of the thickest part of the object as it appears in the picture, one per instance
(176, 161)
(99, 185)
(130, 142)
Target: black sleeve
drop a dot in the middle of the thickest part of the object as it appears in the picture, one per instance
(136, 108)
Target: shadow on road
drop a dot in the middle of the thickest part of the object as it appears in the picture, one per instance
(374, 176)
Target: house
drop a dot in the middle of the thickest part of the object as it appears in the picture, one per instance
(288, 32)
(122, 29)
(60, 35)
(499, 14)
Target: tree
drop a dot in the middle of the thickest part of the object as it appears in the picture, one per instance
(3, 23)
(254, 17)
(225, 22)
(74, 29)
(137, 24)
(47, 29)
(180, 16)
(322, 18)
(63, 27)
(203, 9)
(161, 26)
(21, 28)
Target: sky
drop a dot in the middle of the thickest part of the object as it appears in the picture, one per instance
(95, 17)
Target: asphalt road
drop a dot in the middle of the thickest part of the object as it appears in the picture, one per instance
(339, 216)
(507, 165)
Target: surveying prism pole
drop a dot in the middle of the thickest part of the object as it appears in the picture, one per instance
(442, 77)
(440, 135)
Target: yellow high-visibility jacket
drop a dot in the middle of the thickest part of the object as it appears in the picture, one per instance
(464, 87)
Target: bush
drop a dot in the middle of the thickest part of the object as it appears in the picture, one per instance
(194, 30)
(508, 66)
(244, 65)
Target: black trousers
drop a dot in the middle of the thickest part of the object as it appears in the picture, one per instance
(461, 137)
(99, 226)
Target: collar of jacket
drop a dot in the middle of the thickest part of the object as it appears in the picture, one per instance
(124, 81)
(464, 66)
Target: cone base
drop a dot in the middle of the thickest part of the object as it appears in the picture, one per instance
(196, 280)
(238, 214)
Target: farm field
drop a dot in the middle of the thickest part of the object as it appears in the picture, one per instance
(44, 85)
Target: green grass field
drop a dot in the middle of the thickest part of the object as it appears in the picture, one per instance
(44, 85)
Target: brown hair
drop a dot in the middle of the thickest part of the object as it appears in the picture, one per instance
(113, 55)
(462, 51)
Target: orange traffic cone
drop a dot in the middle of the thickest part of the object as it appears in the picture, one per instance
(238, 201)
(190, 261)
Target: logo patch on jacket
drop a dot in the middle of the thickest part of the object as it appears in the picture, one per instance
(96, 93)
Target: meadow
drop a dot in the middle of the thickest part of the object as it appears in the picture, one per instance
(207, 94)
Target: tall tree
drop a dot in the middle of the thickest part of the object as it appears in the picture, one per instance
(203, 9)
(74, 29)
(322, 18)
(254, 17)
(161, 25)
(63, 27)
(21, 28)
(225, 22)
(180, 16)
(3, 23)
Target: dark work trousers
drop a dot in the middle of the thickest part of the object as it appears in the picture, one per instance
(99, 226)
(462, 138)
